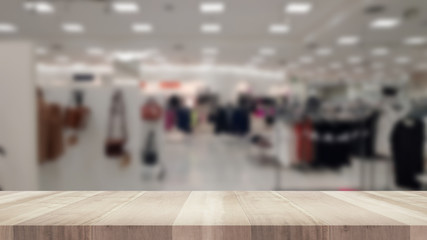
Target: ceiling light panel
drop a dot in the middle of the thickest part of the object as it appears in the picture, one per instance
(278, 29)
(355, 60)
(267, 51)
(7, 28)
(348, 40)
(212, 7)
(41, 7)
(73, 28)
(417, 40)
(142, 27)
(324, 51)
(125, 7)
(381, 51)
(385, 23)
(211, 28)
(298, 8)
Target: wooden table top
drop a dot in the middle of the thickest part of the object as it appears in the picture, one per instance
(213, 215)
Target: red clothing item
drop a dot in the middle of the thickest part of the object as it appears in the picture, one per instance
(304, 144)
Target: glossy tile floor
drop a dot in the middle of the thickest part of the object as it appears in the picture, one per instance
(201, 162)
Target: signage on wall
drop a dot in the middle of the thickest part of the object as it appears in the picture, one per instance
(83, 77)
(170, 85)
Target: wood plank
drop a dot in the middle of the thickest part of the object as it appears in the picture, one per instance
(14, 198)
(21, 212)
(388, 208)
(347, 220)
(149, 216)
(72, 221)
(274, 217)
(212, 215)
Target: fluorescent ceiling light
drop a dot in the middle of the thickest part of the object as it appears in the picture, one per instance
(210, 51)
(278, 29)
(7, 28)
(402, 60)
(95, 51)
(142, 27)
(324, 51)
(348, 40)
(306, 59)
(418, 40)
(355, 60)
(266, 51)
(125, 7)
(212, 7)
(210, 28)
(381, 51)
(298, 8)
(385, 23)
(73, 27)
(41, 7)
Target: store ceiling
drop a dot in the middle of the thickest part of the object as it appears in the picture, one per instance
(245, 30)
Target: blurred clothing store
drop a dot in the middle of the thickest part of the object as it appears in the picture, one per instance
(213, 95)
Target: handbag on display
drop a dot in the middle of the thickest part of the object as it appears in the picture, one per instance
(151, 111)
(149, 155)
(115, 145)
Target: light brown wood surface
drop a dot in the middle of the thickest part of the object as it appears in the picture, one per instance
(213, 215)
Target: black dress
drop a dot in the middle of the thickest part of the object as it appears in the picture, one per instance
(407, 141)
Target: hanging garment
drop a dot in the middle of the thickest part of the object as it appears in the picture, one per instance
(407, 141)
(284, 144)
(115, 143)
(194, 118)
(169, 119)
(304, 144)
(184, 120)
(240, 122)
(54, 141)
(387, 120)
(221, 121)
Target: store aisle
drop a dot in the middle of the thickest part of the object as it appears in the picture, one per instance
(202, 162)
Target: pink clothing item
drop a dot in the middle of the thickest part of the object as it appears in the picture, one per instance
(169, 120)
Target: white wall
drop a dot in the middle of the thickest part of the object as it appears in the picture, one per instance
(18, 132)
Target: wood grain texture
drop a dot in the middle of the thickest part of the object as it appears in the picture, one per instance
(213, 215)
(151, 214)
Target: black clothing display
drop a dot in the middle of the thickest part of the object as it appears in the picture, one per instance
(232, 120)
(407, 141)
(184, 120)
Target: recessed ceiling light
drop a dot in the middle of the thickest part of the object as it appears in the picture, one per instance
(142, 27)
(381, 51)
(402, 60)
(125, 7)
(298, 8)
(324, 51)
(348, 40)
(355, 60)
(306, 59)
(266, 51)
(95, 51)
(210, 51)
(73, 27)
(41, 51)
(210, 28)
(385, 23)
(278, 29)
(7, 28)
(212, 7)
(418, 40)
(41, 7)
